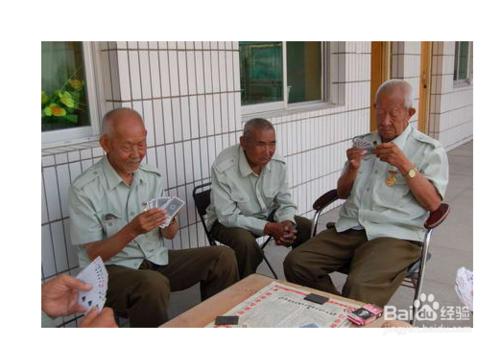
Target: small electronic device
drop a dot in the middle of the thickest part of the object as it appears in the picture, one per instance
(315, 298)
(226, 320)
(365, 314)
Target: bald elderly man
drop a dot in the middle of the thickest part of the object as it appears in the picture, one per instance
(107, 220)
(390, 192)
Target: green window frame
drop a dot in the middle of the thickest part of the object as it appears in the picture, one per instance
(267, 67)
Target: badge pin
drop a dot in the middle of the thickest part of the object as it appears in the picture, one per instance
(391, 179)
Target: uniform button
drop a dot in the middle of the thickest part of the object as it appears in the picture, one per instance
(367, 189)
(376, 171)
(94, 172)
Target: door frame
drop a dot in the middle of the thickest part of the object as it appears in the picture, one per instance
(425, 86)
(380, 72)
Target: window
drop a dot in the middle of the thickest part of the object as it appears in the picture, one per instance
(267, 67)
(66, 105)
(463, 62)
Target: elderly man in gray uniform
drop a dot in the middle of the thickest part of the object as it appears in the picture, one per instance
(250, 197)
(106, 208)
(390, 191)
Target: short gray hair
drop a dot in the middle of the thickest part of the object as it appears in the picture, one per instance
(256, 124)
(397, 83)
(110, 117)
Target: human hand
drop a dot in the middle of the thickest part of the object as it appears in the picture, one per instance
(96, 319)
(170, 231)
(290, 233)
(275, 230)
(148, 220)
(390, 153)
(354, 156)
(60, 295)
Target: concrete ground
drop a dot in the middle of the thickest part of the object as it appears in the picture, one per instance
(451, 248)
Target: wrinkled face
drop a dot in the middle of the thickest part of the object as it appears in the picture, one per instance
(392, 116)
(259, 147)
(126, 146)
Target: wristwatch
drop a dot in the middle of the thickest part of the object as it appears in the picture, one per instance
(412, 173)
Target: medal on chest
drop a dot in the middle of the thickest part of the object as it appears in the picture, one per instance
(391, 177)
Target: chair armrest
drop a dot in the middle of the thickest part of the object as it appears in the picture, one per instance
(325, 200)
(437, 216)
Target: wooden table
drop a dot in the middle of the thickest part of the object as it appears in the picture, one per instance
(205, 312)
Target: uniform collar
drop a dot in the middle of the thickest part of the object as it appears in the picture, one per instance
(245, 168)
(113, 178)
(400, 140)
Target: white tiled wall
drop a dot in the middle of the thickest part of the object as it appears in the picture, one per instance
(451, 105)
(189, 96)
(406, 65)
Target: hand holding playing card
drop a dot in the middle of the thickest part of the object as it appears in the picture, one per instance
(148, 220)
(171, 205)
(354, 156)
(170, 231)
(96, 275)
(60, 295)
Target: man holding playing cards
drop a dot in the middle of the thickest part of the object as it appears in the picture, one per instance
(392, 179)
(106, 207)
(250, 197)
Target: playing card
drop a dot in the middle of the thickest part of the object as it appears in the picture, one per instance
(172, 205)
(96, 275)
(361, 143)
(160, 202)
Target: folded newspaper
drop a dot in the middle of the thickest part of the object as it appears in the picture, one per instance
(464, 287)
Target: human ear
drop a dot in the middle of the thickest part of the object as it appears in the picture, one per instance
(104, 141)
(411, 111)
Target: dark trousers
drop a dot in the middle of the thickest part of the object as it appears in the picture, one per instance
(143, 294)
(243, 242)
(377, 267)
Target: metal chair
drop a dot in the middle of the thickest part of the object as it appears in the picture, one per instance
(201, 196)
(415, 274)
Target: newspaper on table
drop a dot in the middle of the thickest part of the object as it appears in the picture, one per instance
(280, 305)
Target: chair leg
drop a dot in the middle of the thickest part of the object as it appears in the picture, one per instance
(266, 242)
(265, 258)
(420, 280)
(314, 225)
(270, 267)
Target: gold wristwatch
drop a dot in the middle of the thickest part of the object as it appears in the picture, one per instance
(412, 172)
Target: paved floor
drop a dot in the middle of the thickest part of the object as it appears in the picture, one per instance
(451, 248)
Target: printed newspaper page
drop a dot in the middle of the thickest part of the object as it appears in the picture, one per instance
(280, 305)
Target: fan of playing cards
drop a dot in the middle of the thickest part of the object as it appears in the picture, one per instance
(171, 204)
(362, 143)
(96, 275)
